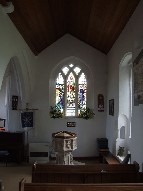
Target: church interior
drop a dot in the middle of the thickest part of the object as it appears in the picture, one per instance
(71, 83)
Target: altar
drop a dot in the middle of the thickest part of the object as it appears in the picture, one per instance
(64, 143)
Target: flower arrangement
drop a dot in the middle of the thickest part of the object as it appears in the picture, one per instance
(121, 151)
(86, 113)
(55, 112)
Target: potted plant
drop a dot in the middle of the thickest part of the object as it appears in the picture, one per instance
(55, 112)
(86, 113)
(121, 151)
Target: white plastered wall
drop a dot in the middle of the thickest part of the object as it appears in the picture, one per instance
(12, 45)
(87, 130)
(14, 48)
(130, 40)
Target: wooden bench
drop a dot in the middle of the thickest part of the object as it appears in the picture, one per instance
(109, 158)
(23, 186)
(100, 173)
(86, 168)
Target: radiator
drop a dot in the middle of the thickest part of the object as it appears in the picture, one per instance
(38, 152)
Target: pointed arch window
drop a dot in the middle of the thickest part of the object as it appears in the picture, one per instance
(71, 90)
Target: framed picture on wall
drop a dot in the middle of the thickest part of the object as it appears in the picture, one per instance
(138, 79)
(111, 107)
(100, 102)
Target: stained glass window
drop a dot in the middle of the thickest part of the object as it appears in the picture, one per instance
(71, 90)
(71, 65)
(70, 110)
(60, 92)
(65, 70)
(82, 87)
(77, 70)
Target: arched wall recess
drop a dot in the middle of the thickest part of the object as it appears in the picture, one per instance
(125, 101)
(122, 132)
(125, 88)
(77, 62)
(19, 77)
(122, 126)
(13, 80)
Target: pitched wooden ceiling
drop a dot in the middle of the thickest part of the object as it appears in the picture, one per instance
(96, 22)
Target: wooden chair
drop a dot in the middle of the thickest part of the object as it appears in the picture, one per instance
(4, 154)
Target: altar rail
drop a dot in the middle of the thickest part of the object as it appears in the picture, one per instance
(98, 173)
(79, 187)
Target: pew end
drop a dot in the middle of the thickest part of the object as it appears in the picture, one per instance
(137, 165)
(21, 184)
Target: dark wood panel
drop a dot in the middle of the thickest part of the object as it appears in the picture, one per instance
(97, 173)
(23, 186)
(78, 16)
(13, 142)
(96, 22)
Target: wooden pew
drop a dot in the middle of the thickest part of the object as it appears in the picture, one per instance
(100, 173)
(109, 158)
(39, 167)
(22, 184)
(80, 187)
